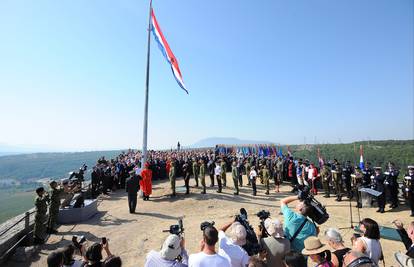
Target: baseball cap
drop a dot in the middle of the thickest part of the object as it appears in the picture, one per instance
(171, 247)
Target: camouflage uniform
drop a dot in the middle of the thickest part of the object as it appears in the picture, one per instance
(55, 195)
(248, 168)
(326, 179)
(203, 176)
(39, 231)
(171, 175)
(196, 171)
(235, 176)
(266, 176)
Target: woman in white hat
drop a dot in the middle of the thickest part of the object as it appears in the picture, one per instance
(318, 252)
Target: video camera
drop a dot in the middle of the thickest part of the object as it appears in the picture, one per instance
(78, 242)
(319, 213)
(252, 246)
(77, 177)
(176, 229)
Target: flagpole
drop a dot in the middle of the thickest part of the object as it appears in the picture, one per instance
(145, 130)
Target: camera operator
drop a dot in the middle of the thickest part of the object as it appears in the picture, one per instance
(172, 249)
(231, 247)
(273, 242)
(68, 260)
(297, 227)
(207, 257)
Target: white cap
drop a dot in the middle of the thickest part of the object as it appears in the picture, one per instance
(171, 247)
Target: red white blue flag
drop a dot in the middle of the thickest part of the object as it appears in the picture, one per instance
(166, 51)
(361, 158)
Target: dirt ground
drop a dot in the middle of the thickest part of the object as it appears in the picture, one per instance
(132, 236)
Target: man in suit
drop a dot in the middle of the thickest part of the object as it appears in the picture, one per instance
(132, 188)
(407, 236)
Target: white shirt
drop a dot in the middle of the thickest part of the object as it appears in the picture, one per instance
(253, 174)
(235, 254)
(310, 173)
(202, 259)
(217, 170)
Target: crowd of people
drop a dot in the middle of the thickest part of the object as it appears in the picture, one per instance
(291, 241)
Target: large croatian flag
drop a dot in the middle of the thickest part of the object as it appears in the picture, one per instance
(166, 51)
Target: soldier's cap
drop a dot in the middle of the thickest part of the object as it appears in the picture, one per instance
(377, 168)
(52, 183)
(411, 167)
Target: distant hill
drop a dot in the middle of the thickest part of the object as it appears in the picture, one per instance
(212, 141)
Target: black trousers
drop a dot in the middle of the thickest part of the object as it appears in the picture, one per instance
(381, 201)
(187, 183)
(411, 201)
(212, 179)
(253, 181)
(132, 202)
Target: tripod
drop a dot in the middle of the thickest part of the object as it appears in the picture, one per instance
(351, 220)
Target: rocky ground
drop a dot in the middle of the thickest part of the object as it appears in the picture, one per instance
(132, 236)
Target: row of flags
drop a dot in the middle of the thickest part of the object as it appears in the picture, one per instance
(361, 158)
(261, 150)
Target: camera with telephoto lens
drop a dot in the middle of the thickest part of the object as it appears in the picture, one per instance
(206, 224)
(263, 215)
(318, 212)
(252, 246)
(176, 229)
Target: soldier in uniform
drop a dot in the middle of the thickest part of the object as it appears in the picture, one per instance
(391, 184)
(240, 170)
(223, 172)
(171, 175)
(210, 167)
(266, 177)
(346, 178)
(337, 179)
(367, 173)
(409, 188)
(196, 171)
(326, 176)
(279, 171)
(187, 174)
(357, 178)
(39, 232)
(235, 176)
(379, 179)
(55, 195)
(203, 176)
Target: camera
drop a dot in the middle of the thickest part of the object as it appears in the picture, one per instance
(78, 242)
(263, 215)
(206, 224)
(252, 245)
(319, 213)
(176, 229)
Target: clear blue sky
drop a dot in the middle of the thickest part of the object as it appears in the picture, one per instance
(271, 70)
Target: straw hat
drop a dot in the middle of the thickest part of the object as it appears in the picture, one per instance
(313, 246)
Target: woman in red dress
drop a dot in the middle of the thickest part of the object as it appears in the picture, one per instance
(146, 182)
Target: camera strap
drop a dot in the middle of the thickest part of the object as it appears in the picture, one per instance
(298, 230)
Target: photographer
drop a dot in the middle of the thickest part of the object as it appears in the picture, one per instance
(231, 247)
(68, 260)
(93, 255)
(275, 245)
(172, 249)
(207, 255)
(296, 225)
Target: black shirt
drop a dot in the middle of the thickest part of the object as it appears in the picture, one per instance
(340, 253)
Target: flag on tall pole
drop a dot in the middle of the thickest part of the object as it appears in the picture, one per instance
(361, 158)
(166, 51)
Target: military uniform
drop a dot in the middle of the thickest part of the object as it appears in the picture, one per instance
(337, 179)
(247, 168)
(391, 186)
(379, 180)
(235, 176)
(409, 188)
(358, 178)
(266, 177)
(187, 175)
(55, 196)
(326, 179)
(203, 176)
(39, 231)
(367, 173)
(171, 175)
(346, 179)
(196, 171)
(279, 171)
(223, 173)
